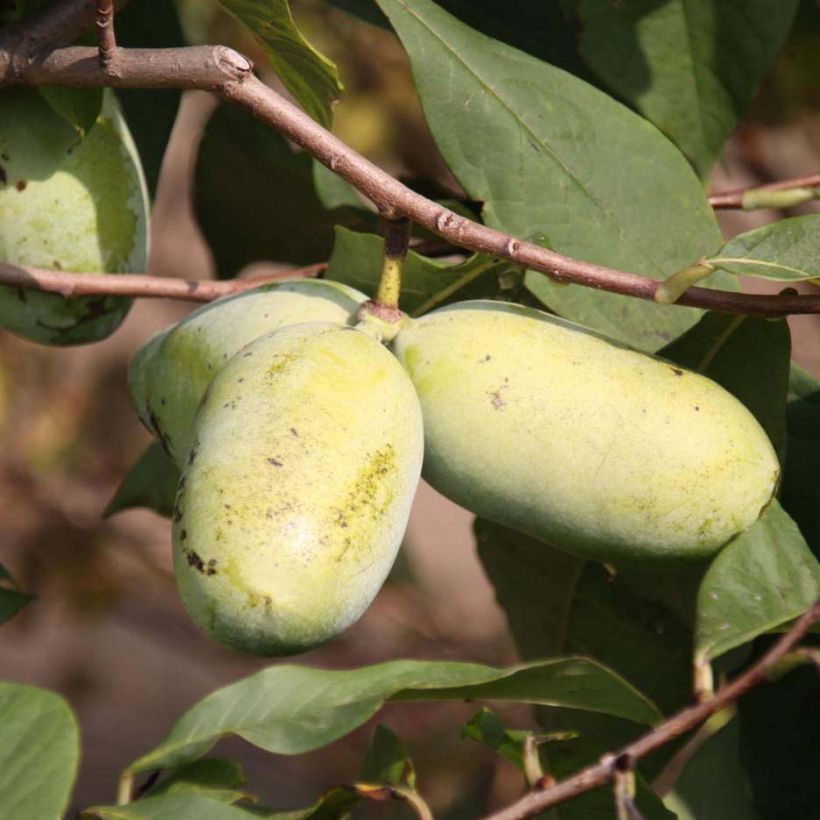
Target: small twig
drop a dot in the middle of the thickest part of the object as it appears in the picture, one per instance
(71, 285)
(105, 33)
(537, 801)
(750, 197)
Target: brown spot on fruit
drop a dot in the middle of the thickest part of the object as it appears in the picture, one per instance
(274, 461)
(3, 177)
(21, 184)
(195, 561)
(677, 371)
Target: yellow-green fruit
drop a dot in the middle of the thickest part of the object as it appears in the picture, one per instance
(71, 204)
(191, 354)
(140, 374)
(307, 455)
(551, 429)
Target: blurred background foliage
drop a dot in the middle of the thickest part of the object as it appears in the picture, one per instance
(107, 628)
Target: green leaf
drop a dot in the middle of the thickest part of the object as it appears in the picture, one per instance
(151, 483)
(39, 753)
(150, 113)
(486, 727)
(334, 804)
(800, 489)
(213, 777)
(566, 757)
(713, 785)
(291, 709)
(387, 761)
(357, 260)
(765, 577)
(550, 155)
(689, 66)
(12, 600)
(169, 807)
(333, 191)
(79, 107)
(787, 251)
(556, 603)
(255, 198)
(308, 75)
(747, 356)
(779, 727)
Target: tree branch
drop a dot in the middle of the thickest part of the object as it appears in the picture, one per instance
(535, 802)
(105, 32)
(746, 197)
(71, 285)
(229, 74)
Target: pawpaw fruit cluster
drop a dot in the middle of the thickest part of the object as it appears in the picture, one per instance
(300, 441)
(71, 203)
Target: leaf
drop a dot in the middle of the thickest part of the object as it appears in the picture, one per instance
(39, 752)
(79, 107)
(333, 191)
(357, 259)
(387, 761)
(213, 777)
(150, 113)
(747, 356)
(254, 196)
(291, 709)
(713, 785)
(568, 756)
(308, 75)
(169, 807)
(12, 600)
(332, 805)
(486, 727)
(779, 727)
(550, 155)
(800, 489)
(689, 66)
(787, 251)
(765, 577)
(151, 483)
(557, 603)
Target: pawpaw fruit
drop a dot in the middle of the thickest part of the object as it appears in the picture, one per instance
(549, 428)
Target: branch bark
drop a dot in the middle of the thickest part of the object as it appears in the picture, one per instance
(604, 771)
(71, 285)
(229, 74)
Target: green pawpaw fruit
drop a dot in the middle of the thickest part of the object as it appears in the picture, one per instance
(71, 204)
(168, 383)
(289, 514)
(551, 429)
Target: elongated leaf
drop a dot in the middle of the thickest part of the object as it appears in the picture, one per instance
(293, 709)
(387, 761)
(356, 261)
(12, 599)
(215, 778)
(568, 756)
(150, 113)
(39, 752)
(169, 807)
(713, 785)
(779, 727)
(765, 577)
(557, 603)
(800, 490)
(787, 251)
(151, 483)
(308, 75)
(747, 356)
(552, 156)
(254, 196)
(689, 66)
(486, 727)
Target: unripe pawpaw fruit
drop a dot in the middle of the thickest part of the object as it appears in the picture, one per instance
(190, 354)
(73, 204)
(551, 429)
(289, 514)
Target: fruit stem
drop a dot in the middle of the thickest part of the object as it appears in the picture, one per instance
(396, 240)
